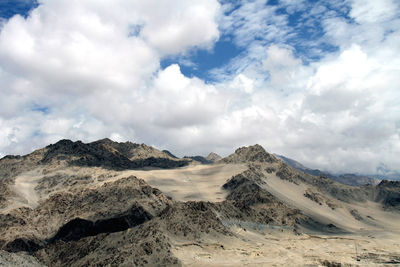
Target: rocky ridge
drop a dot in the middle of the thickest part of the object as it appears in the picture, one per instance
(108, 154)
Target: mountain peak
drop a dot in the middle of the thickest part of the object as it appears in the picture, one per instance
(169, 154)
(104, 141)
(213, 157)
(255, 153)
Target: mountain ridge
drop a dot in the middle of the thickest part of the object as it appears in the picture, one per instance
(74, 204)
(110, 154)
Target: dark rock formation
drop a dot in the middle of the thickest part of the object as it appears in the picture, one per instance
(254, 203)
(79, 228)
(23, 244)
(109, 154)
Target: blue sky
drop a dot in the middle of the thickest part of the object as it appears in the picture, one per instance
(315, 80)
(306, 38)
(9, 8)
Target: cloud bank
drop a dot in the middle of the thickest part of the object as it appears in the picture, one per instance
(318, 82)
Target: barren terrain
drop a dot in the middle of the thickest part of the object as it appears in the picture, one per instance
(64, 208)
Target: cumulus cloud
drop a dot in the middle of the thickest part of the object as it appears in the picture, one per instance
(373, 11)
(80, 64)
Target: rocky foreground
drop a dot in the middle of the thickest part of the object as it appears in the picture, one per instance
(124, 204)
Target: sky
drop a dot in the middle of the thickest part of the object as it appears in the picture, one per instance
(314, 80)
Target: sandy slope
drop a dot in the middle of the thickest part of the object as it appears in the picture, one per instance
(293, 195)
(374, 218)
(193, 182)
(24, 187)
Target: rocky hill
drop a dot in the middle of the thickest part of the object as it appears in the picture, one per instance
(109, 154)
(122, 204)
(254, 153)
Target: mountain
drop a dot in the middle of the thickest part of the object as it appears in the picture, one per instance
(109, 154)
(123, 204)
(213, 157)
(348, 178)
(210, 159)
(254, 153)
(355, 179)
(170, 154)
(200, 159)
(383, 172)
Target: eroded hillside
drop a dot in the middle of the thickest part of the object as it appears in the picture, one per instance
(124, 204)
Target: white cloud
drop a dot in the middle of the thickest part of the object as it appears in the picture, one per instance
(183, 102)
(78, 59)
(91, 69)
(370, 11)
(171, 28)
(284, 68)
(243, 83)
(255, 22)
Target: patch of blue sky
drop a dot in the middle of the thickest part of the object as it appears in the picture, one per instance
(299, 26)
(308, 31)
(273, 2)
(9, 8)
(37, 133)
(200, 61)
(135, 29)
(42, 109)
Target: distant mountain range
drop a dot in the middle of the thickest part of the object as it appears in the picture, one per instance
(347, 178)
(210, 159)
